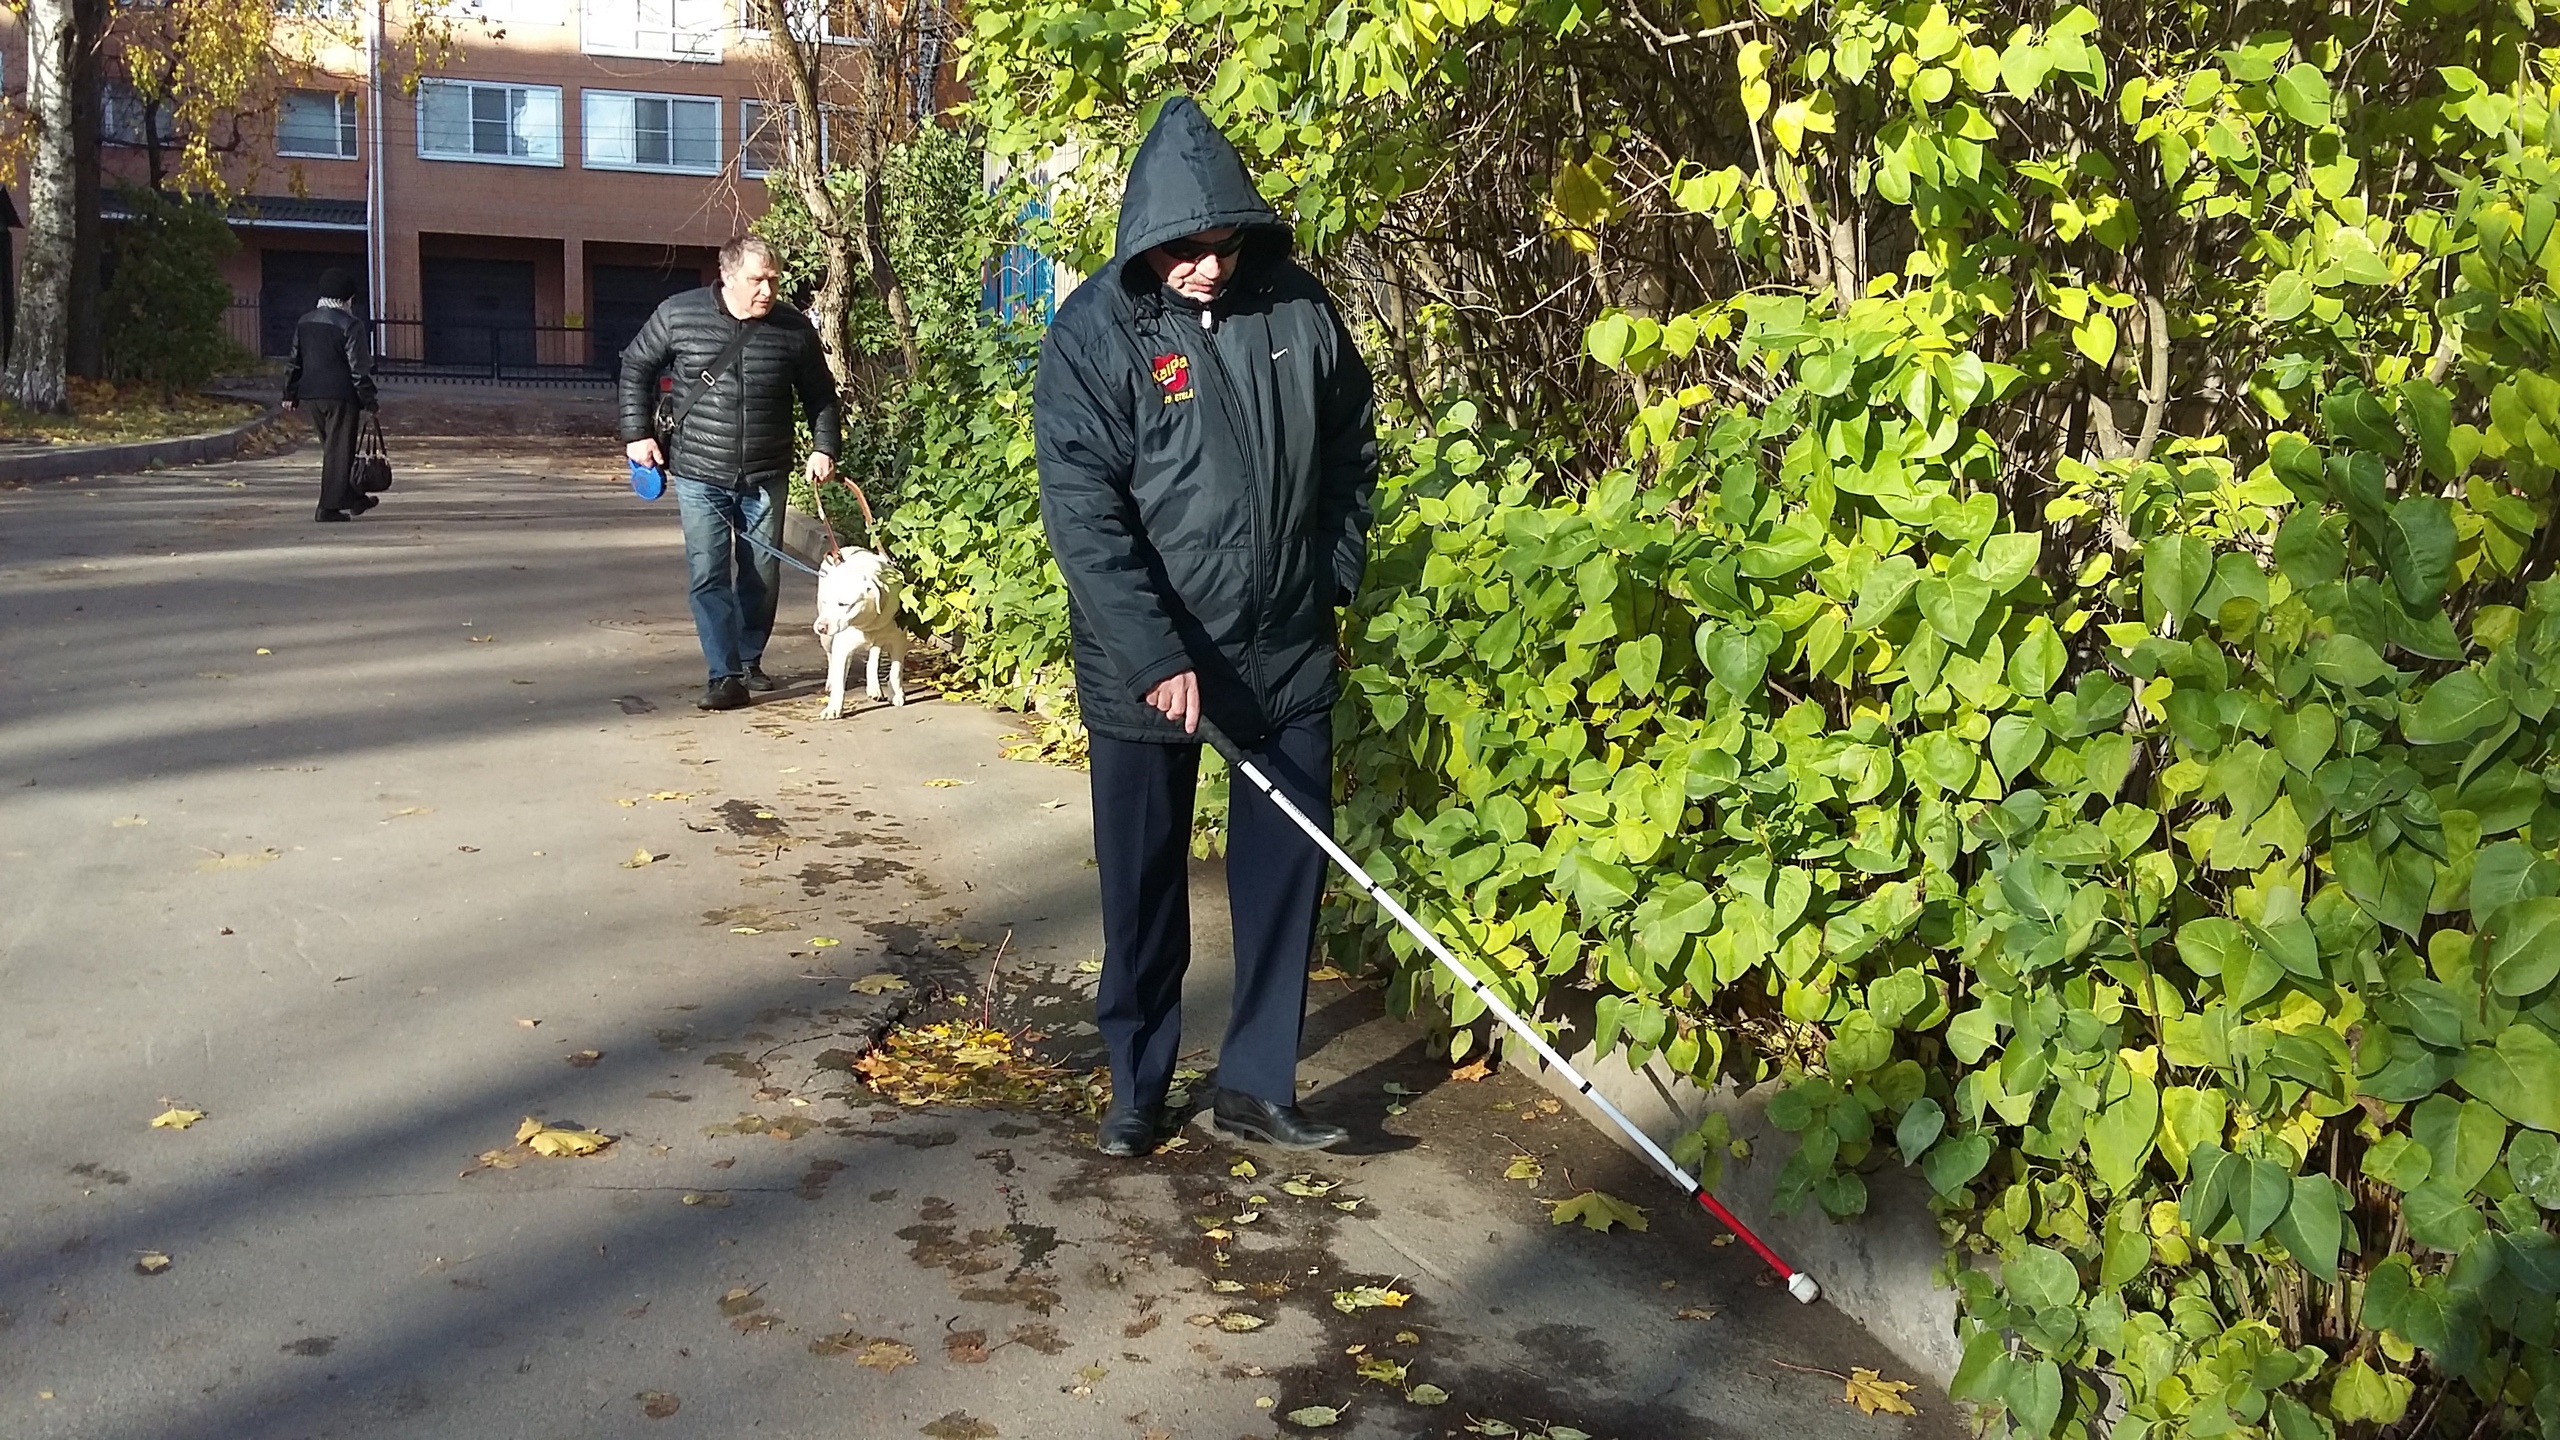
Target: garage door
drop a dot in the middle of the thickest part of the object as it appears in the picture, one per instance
(478, 313)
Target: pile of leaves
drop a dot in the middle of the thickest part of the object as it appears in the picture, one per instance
(955, 1062)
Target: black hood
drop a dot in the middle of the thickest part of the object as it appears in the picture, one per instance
(1188, 178)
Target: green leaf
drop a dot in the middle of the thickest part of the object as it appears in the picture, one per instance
(2533, 1164)
(1639, 663)
(2400, 1162)
(2175, 570)
(2016, 741)
(2008, 558)
(2347, 660)
(2303, 93)
(1599, 886)
(2504, 873)
(2525, 956)
(2417, 549)
(1951, 1164)
(2462, 1138)
(2035, 1396)
(2454, 709)
(2120, 1138)
(2041, 1277)
(2288, 295)
(1734, 658)
(1597, 1210)
(1954, 602)
(2441, 1217)
(2312, 1226)
(2259, 1196)
(1923, 1121)
(2429, 414)
(2035, 667)
(1882, 594)
(2189, 1120)
(2362, 1394)
(2519, 1076)
(2214, 946)
(2126, 1254)
(2095, 337)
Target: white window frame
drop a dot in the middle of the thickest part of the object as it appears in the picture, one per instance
(560, 149)
(118, 93)
(587, 132)
(705, 45)
(347, 127)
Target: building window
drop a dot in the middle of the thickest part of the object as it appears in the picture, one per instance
(764, 138)
(679, 133)
(502, 124)
(317, 124)
(121, 115)
(654, 29)
(836, 22)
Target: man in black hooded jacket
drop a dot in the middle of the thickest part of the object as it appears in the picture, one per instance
(1207, 445)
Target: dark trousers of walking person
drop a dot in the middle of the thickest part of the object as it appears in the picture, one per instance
(735, 586)
(337, 422)
(1142, 802)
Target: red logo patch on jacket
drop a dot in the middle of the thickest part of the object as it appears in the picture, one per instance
(1173, 372)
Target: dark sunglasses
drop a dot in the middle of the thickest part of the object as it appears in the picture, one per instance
(1192, 249)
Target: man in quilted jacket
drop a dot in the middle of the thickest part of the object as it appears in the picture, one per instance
(729, 463)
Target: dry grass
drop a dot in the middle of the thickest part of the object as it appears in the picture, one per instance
(103, 413)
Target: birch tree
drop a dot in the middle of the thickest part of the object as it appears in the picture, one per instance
(38, 349)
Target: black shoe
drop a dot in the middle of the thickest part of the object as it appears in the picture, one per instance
(1248, 1118)
(329, 515)
(758, 681)
(1130, 1131)
(364, 503)
(726, 693)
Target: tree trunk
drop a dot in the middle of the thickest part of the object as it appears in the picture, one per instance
(805, 161)
(884, 271)
(36, 357)
(88, 275)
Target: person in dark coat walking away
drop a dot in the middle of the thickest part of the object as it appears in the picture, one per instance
(731, 466)
(1207, 445)
(332, 373)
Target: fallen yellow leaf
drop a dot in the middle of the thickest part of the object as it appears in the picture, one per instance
(1524, 1167)
(879, 983)
(1871, 1392)
(1368, 1297)
(885, 1355)
(639, 858)
(1597, 1210)
(126, 821)
(822, 942)
(943, 784)
(1237, 1322)
(744, 930)
(548, 1140)
(263, 650)
(175, 1119)
(150, 1262)
(670, 794)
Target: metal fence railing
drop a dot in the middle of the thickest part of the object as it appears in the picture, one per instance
(441, 348)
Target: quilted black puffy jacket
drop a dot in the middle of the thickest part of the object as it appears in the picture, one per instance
(739, 434)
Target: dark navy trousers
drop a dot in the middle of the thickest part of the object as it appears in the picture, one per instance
(1142, 803)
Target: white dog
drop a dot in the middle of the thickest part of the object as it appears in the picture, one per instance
(858, 609)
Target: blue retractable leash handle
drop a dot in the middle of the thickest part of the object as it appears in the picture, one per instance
(647, 481)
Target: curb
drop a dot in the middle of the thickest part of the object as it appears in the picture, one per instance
(88, 460)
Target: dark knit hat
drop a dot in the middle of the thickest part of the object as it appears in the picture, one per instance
(337, 283)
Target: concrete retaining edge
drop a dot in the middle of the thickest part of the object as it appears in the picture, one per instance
(1879, 1270)
(79, 462)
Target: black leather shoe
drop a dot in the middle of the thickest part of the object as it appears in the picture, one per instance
(759, 681)
(1248, 1117)
(727, 693)
(364, 503)
(1130, 1132)
(329, 515)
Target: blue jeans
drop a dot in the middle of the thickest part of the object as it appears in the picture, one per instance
(735, 586)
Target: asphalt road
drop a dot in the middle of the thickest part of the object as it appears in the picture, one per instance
(333, 833)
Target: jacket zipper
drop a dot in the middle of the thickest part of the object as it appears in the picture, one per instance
(1253, 506)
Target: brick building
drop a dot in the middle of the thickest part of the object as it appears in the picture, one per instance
(570, 165)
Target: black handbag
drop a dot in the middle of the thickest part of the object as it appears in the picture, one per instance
(373, 460)
(671, 412)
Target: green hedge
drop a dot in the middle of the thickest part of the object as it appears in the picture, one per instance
(2036, 643)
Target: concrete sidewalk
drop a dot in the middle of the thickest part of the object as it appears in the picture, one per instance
(334, 833)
